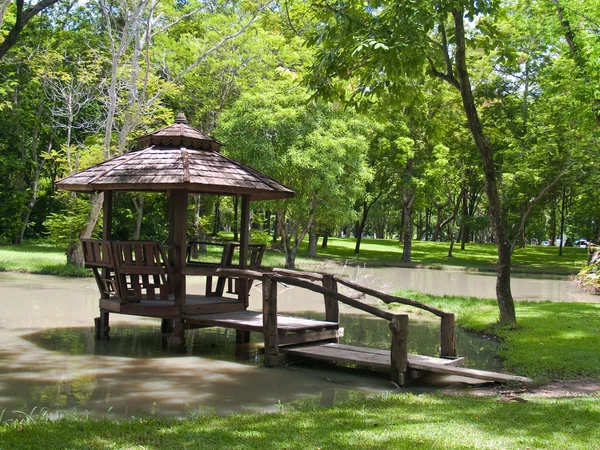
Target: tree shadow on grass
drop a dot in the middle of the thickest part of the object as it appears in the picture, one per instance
(398, 422)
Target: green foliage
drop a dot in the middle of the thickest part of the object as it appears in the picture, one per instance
(65, 228)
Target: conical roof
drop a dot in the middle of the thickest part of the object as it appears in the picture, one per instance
(176, 157)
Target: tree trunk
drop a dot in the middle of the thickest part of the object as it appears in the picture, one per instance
(235, 218)
(312, 241)
(216, 219)
(562, 222)
(464, 236)
(503, 291)
(407, 228)
(75, 252)
(325, 239)
(138, 203)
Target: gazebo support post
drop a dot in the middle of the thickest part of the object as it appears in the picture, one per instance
(177, 249)
(243, 337)
(101, 323)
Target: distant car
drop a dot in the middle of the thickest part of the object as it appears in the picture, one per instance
(581, 243)
(546, 243)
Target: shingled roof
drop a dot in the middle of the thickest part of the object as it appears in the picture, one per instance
(176, 157)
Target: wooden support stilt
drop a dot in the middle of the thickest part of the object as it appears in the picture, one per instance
(447, 336)
(176, 339)
(270, 321)
(101, 325)
(332, 306)
(242, 337)
(166, 326)
(399, 350)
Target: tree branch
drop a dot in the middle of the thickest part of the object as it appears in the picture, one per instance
(530, 206)
(222, 42)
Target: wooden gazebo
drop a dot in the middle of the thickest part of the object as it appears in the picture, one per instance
(178, 160)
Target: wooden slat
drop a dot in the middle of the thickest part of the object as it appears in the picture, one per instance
(381, 359)
(470, 373)
(253, 321)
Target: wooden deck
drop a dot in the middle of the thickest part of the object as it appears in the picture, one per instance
(290, 330)
(166, 308)
(370, 357)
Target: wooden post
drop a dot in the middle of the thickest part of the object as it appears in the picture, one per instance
(399, 350)
(166, 326)
(447, 336)
(244, 240)
(101, 323)
(242, 337)
(271, 337)
(177, 251)
(332, 306)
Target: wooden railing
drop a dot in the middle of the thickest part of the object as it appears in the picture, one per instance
(398, 323)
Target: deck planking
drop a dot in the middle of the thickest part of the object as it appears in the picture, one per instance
(376, 358)
(253, 321)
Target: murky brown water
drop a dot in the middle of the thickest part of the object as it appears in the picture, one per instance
(50, 359)
(469, 284)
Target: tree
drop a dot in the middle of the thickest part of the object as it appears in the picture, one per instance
(22, 17)
(311, 147)
(382, 43)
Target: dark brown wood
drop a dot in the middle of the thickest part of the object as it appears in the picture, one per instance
(312, 276)
(242, 337)
(102, 328)
(386, 298)
(178, 242)
(304, 337)
(166, 326)
(243, 283)
(332, 306)
(254, 321)
(399, 348)
(176, 340)
(271, 337)
(447, 336)
(336, 295)
(362, 356)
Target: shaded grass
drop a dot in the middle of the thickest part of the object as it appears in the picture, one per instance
(38, 258)
(552, 340)
(402, 421)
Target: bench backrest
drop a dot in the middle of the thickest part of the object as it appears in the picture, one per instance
(98, 256)
(142, 271)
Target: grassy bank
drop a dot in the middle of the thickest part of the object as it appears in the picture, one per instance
(551, 341)
(40, 258)
(51, 259)
(402, 421)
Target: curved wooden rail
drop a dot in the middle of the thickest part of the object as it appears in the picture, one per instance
(306, 280)
(387, 298)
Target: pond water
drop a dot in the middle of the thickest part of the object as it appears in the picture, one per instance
(50, 359)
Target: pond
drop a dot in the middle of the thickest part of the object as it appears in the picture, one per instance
(50, 359)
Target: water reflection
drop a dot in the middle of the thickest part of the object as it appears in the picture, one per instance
(49, 357)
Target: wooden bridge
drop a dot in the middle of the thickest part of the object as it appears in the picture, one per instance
(287, 336)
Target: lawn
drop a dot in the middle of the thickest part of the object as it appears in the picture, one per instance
(533, 258)
(402, 421)
(51, 259)
(552, 340)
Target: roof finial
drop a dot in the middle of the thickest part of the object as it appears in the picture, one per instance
(181, 118)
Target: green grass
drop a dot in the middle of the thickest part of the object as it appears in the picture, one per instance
(51, 259)
(552, 340)
(38, 258)
(403, 421)
(532, 259)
